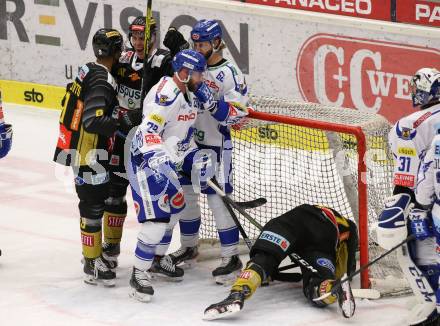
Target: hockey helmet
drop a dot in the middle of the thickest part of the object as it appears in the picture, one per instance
(425, 86)
(106, 42)
(190, 59)
(206, 30)
(138, 25)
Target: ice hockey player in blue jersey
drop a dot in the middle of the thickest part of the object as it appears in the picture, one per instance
(5, 133)
(408, 210)
(227, 84)
(163, 145)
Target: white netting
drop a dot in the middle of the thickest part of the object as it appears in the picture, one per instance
(290, 165)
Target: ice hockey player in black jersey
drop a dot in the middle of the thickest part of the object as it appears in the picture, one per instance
(87, 124)
(321, 236)
(129, 72)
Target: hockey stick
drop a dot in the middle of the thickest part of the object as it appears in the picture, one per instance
(147, 37)
(338, 283)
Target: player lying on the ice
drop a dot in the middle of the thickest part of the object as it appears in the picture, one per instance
(321, 236)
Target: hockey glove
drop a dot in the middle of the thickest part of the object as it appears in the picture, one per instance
(129, 119)
(5, 139)
(420, 224)
(159, 164)
(205, 97)
(175, 41)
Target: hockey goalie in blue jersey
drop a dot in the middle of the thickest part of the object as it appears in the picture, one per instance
(408, 211)
(161, 147)
(5, 133)
(227, 85)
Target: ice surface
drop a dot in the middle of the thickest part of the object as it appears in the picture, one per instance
(41, 274)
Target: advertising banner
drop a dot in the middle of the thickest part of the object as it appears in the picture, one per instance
(423, 12)
(372, 9)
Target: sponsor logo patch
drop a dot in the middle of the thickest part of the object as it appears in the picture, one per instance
(152, 139)
(407, 151)
(115, 221)
(324, 262)
(275, 238)
(64, 138)
(87, 240)
(114, 160)
(156, 118)
(405, 180)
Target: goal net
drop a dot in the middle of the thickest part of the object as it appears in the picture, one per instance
(293, 153)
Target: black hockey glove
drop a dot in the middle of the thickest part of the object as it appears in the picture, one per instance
(129, 119)
(175, 41)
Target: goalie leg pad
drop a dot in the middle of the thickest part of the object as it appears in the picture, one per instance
(420, 286)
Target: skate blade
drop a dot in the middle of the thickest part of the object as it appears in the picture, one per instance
(142, 297)
(91, 280)
(188, 264)
(165, 278)
(228, 279)
(214, 313)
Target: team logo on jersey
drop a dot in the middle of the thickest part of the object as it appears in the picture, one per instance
(178, 200)
(275, 238)
(134, 76)
(324, 262)
(405, 133)
(163, 203)
(163, 99)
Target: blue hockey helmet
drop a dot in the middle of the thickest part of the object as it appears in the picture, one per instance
(206, 30)
(425, 86)
(190, 59)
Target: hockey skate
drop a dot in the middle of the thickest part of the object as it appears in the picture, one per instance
(185, 257)
(96, 271)
(141, 288)
(163, 268)
(231, 305)
(346, 301)
(228, 270)
(110, 253)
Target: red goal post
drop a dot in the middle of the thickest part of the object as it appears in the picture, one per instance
(357, 132)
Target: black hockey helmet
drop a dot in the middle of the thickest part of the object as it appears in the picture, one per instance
(138, 25)
(106, 42)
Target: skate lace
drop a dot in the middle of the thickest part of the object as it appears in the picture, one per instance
(99, 266)
(180, 252)
(225, 261)
(167, 264)
(142, 277)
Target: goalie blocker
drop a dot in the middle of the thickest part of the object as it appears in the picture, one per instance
(320, 235)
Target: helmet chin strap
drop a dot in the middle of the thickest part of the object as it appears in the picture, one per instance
(185, 81)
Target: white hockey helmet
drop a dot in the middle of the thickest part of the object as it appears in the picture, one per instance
(425, 86)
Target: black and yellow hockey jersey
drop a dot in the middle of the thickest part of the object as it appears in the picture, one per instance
(86, 122)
